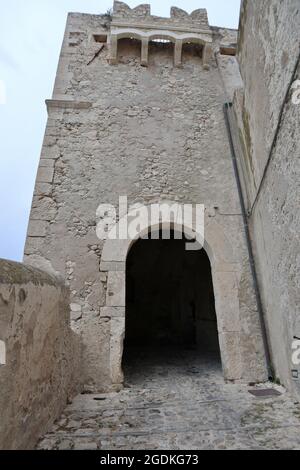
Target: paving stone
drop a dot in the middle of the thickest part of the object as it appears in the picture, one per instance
(177, 410)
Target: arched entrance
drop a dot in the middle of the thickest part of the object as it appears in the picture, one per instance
(226, 268)
(170, 305)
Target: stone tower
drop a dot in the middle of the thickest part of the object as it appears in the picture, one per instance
(137, 111)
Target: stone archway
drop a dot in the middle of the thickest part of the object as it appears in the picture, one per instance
(225, 270)
(170, 305)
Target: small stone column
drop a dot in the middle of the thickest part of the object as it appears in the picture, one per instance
(145, 52)
(178, 53)
(113, 50)
(207, 55)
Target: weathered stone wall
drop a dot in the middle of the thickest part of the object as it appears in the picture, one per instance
(42, 369)
(269, 128)
(153, 134)
(225, 46)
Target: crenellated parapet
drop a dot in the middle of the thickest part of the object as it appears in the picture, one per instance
(178, 17)
(122, 10)
(180, 28)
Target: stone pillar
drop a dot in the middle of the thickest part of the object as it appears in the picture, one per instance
(117, 337)
(178, 53)
(113, 50)
(207, 55)
(145, 52)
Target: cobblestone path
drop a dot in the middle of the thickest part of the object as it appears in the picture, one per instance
(177, 401)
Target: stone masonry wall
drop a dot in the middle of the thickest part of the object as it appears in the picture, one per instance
(42, 369)
(153, 134)
(269, 45)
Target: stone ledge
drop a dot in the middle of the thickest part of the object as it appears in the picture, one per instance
(168, 27)
(67, 104)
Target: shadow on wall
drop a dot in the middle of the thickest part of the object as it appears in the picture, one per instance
(41, 369)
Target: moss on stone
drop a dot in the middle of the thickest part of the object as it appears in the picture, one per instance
(244, 150)
(247, 138)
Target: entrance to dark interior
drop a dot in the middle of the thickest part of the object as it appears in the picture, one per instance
(169, 299)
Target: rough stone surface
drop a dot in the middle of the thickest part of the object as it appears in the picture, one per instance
(177, 403)
(137, 111)
(268, 54)
(43, 360)
(152, 133)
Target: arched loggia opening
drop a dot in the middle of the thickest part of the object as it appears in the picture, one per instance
(170, 305)
(129, 49)
(161, 50)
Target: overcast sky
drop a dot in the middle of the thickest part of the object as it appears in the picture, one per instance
(31, 33)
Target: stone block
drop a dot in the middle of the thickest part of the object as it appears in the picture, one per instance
(231, 356)
(117, 326)
(37, 228)
(115, 250)
(43, 209)
(47, 162)
(227, 301)
(112, 312)
(45, 175)
(43, 189)
(115, 296)
(112, 266)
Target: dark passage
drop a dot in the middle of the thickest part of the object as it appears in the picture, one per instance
(169, 298)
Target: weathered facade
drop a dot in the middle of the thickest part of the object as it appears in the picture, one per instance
(266, 120)
(137, 110)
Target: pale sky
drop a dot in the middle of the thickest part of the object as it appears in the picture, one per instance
(31, 33)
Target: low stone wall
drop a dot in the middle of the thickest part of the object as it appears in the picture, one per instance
(40, 363)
